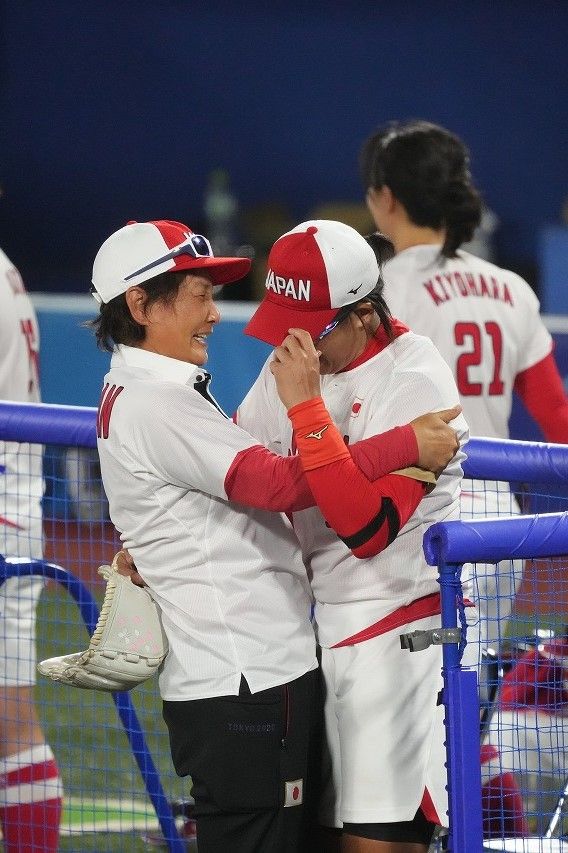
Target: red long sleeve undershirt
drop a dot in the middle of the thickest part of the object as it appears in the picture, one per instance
(542, 391)
(366, 515)
(284, 485)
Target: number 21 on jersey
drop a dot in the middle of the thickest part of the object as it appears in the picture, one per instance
(483, 343)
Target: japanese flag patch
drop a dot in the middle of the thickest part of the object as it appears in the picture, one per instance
(356, 407)
(293, 793)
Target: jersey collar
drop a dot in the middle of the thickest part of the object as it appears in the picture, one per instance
(170, 369)
(378, 342)
(428, 251)
(422, 247)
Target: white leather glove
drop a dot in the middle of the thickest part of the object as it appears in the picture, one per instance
(128, 644)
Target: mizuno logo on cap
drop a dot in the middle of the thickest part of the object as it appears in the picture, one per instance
(288, 286)
(354, 290)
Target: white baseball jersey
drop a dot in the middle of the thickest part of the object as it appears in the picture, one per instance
(229, 580)
(483, 319)
(366, 783)
(21, 481)
(405, 379)
(20, 464)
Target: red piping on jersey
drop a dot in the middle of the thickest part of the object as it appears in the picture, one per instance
(428, 808)
(11, 524)
(378, 343)
(428, 605)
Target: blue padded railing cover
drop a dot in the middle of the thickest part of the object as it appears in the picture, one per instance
(490, 540)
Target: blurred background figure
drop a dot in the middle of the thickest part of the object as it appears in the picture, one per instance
(526, 743)
(223, 219)
(482, 243)
(221, 209)
(30, 787)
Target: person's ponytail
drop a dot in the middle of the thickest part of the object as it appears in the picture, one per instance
(427, 170)
(461, 208)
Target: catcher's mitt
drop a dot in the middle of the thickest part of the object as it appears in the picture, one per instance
(128, 644)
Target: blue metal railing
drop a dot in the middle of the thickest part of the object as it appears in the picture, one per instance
(126, 711)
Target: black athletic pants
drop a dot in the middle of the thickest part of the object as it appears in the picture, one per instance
(254, 764)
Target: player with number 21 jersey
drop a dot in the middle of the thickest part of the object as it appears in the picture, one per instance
(485, 322)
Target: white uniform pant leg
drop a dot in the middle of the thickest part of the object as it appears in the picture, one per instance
(384, 729)
(18, 603)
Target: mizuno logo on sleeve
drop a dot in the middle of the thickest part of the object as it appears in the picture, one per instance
(317, 433)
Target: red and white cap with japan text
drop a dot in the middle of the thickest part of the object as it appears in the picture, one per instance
(313, 270)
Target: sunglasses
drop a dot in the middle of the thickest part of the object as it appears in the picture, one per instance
(343, 315)
(196, 246)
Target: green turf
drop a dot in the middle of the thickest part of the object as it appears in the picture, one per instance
(524, 626)
(91, 747)
(93, 752)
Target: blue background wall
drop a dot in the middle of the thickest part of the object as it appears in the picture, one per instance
(118, 109)
(72, 368)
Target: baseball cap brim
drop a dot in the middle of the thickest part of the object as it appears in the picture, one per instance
(221, 270)
(140, 251)
(271, 322)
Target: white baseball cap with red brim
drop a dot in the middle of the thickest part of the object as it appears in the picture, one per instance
(142, 250)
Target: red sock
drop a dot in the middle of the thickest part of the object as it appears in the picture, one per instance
(30, 801)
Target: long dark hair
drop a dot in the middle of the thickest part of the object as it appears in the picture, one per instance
(427, 169)
(115, 324)
(377, 300)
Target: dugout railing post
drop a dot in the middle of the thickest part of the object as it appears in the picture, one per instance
(449, 545)
(126, 711)
(461, 704)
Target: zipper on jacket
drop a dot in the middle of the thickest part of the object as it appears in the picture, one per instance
(285, 714)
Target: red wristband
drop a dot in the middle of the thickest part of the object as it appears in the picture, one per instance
(317, 438)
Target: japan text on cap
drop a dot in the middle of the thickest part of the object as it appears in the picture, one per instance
(313, 270)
